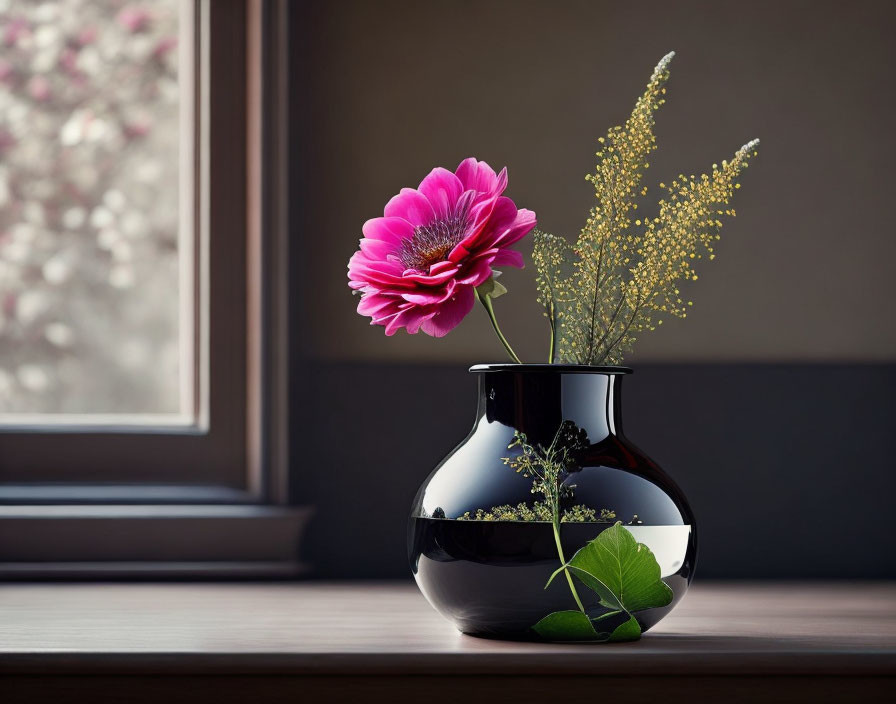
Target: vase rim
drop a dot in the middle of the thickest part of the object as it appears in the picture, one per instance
(561, 368)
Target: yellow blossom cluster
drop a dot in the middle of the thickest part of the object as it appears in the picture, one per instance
(539, 511)
(623, 273)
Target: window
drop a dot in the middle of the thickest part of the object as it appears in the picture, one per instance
(94, 262)
(142, 249)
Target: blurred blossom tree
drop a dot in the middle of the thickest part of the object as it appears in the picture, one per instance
(89, 207)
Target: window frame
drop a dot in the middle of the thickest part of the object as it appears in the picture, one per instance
(211, 498)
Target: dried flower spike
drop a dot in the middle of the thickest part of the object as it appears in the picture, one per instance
(623, 274)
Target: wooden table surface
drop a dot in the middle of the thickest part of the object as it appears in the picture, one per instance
(817, 637)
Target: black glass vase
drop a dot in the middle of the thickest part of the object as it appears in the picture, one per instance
(481, 540)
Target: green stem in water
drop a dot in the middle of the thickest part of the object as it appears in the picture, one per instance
(486, 302)
(556, 525)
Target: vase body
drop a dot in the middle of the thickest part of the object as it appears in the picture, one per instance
(488, 575)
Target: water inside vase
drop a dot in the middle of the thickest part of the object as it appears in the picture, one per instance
(489, 577)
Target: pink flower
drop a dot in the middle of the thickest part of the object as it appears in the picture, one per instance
(87, 36)
(134, 18)
(68, 59)
(419, 264)
(138, 127)
(15, 30)
(6, 139)
(39, 88)
(165, 46)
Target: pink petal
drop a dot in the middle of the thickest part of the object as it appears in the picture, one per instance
(360, 266)
(505, 226)
(410, 205)
(392, 230)
(478, 271)
(395, 323)
(508, 257)
(450, 313)
(381, 272)
(376, 249)
(490, 225)
(442, 189)
(416, 277)
(410, 318)
(521, 226)
(478, 176)
(375, 304)
(480, 221)
(415, 321)
(431, 296)
(482, 210)
(441, 267)
(501, 185)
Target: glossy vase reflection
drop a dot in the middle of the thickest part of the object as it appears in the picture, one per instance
(488, 576)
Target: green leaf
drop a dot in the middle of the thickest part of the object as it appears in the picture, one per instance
(576, 626)
(622, 571)
(567, 625)
(607, 597)
(609, 614)
(491, 288)
(630, 630)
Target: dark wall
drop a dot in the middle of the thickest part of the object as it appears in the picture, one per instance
(790, 469)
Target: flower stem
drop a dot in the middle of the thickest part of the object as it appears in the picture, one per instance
(486, 302)
(553, 342)
(556, 525)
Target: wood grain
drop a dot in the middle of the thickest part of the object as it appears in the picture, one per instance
(796, 637)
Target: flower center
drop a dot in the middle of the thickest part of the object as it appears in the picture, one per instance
(433, 242)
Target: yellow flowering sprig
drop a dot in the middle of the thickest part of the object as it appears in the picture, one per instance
(623, 273)
(539, 511)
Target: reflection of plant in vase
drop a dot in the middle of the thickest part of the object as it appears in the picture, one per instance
(539, 511)
(624, 573)
(548, 468)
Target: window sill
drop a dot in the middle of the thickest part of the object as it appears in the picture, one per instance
(813, 642)
(150, 540)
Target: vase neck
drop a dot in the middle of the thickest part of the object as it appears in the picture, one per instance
(536, 403)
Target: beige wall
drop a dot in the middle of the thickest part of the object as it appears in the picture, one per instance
(805, 272)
